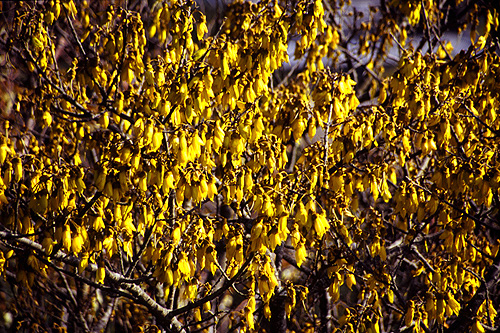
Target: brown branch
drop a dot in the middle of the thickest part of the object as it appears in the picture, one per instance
(227, 279)
(52, 52)
(292, 262)
(104, 321)
(325, 139)
(288, 75)
(89, 204)
(397, 42)
(166, 318)
(427, 26)
(78, 314)
(484, 254)
(214, 294)
(148, 235)
(422, 259)
(451, 205)
(352, 56)
(497, 132)
(487, 293)
(73, 31)
(468, 313)
(135, 292)
(64, 95)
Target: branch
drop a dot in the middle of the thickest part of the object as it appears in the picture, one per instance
(468, 313)
(75, 35)
(89, 204)
(352, 56)
(227, 279)
(137, 294)
(52, 52)
(292, 262)
(427, 26)
(397, 42)
(166, 318)
(497, 132)
(78, 314)
(103, 323)
(451, 205)
(148, 235)
(484, 254)
(325, 139)
(213, 295)
(74, 102)
(422, 259)
(288, 75)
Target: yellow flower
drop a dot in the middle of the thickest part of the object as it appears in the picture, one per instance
(300, 253)
(67, 237)
(184, 268)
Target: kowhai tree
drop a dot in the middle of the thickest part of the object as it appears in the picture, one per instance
(272, 165)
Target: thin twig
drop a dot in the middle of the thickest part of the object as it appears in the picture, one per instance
(352, 56)
(497, 133)
(288, 75)
(73, 31)
(423, 166)
(484, 254)
(75, 303)
(422, 259)
(427, 25)
(131, 291)
(214, 294)
(52, 52)
(62, 92)
(325, 139)
(149, 234)
(487, 293)
(293, 262)
(228, 278)
(397, 42)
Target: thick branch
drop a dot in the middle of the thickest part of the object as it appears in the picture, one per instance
(161, 313)
(164, 316)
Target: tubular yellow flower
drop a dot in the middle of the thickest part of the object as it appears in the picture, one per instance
(300, 253)
(184, 267)
(66, 238)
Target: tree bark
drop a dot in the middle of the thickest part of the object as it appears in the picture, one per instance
(278, 315)
(324, 311)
